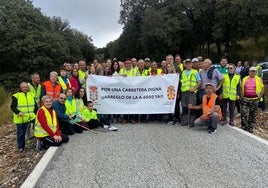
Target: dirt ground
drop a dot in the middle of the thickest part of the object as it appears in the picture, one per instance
(15, 167)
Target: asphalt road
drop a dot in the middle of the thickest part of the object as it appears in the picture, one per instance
(159, 155)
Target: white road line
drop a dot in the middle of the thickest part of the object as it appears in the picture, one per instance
(250, 135)
(39, 169)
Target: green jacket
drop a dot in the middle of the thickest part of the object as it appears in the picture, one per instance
(88, 115)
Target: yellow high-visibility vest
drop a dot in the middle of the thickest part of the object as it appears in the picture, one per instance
(188, 82)
(36, 93)
(39, 132)
(62, 83)
(131, 72)
(71, 108)
(259, 86)
(229, 87)
(26, 104)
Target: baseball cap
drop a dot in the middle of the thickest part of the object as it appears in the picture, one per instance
(188, 60)
(253, 68)
(195, 60)
(147, 59)
(209, 84)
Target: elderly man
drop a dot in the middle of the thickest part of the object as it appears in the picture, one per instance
(252, 90)
(24, 108)
(210, 74)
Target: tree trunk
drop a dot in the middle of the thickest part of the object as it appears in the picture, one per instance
(227, 48)
(218, 44)
(208, 49)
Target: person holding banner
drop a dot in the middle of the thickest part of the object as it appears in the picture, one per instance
(142, 72)
(190, 82)
(129, 71)
(169, 69)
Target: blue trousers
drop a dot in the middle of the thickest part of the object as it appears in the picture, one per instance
(21, 131)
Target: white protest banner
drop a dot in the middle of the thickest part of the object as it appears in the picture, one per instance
(133, 95)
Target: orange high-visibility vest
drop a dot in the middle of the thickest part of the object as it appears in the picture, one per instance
(207, 106)
(52, 91)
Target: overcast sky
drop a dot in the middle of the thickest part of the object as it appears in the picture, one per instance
(96, 18)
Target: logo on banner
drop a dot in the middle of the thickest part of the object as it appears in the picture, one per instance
(93, 93)
(171, 92)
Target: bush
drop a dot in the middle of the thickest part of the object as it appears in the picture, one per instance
(5, 111)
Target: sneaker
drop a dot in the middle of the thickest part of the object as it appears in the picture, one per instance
(106, 126)
(21, 150)
(123, 121)
(238, 115)
(38, 145)
(223, 122)
(133, 121)
(112, 128)
(231, 123)
(169, 122)
(212, 130)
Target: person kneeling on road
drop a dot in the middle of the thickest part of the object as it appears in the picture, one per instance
(47, 126)
(90, 117)
(211, 109)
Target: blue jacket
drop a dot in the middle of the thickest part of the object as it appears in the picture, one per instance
(60, 109)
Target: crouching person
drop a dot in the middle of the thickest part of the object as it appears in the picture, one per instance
(90, 117)
(47, 126)
(211, 110)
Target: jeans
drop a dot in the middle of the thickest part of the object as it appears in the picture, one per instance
(231, 109)
(21, 131)
(212, 122)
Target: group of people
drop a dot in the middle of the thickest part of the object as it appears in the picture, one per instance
(58, 107)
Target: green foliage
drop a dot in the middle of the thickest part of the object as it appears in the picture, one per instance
(198, 27)
(3, 96)
(31, 42)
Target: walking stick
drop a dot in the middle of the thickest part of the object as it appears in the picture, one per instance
(189, 111)
(190, 101)
(85, 128)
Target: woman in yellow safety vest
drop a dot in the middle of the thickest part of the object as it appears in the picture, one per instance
(229, 94)
(46, 128)
(72, 110)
